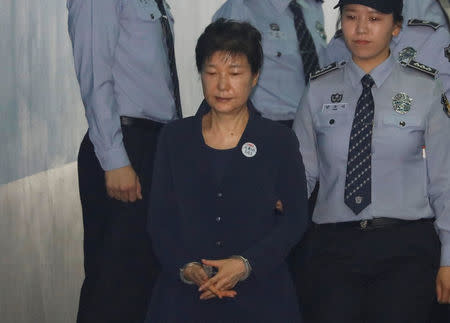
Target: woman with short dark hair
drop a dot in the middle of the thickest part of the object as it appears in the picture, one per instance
(218, 175)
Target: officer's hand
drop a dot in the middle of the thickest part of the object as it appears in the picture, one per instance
(197, 274)
(123, 184)
(443, 285)
(229, 272)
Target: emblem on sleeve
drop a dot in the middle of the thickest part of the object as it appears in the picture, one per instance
(336, 98)
(447, 52)
(406, 55)
(446, 105)
(401, 103)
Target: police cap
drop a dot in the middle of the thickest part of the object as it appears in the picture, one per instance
(384, 6)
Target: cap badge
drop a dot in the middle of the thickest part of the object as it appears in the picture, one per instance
(402, 103)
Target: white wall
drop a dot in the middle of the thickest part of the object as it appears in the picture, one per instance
(41, 125)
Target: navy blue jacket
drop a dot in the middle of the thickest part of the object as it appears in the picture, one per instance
(183, 221)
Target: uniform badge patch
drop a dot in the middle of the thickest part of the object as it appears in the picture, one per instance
(327, 69)
(422, 68)
(336, 98)
(446, 105)
(274, 27)
(421, 22)
(321, 30)
(401, 103)
(407, 54)
(447, 52)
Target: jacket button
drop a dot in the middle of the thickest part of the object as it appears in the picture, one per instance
(219, 194)
(332, 121)
(279, 54)
(219, 243)
(218, 219)
(402, 123)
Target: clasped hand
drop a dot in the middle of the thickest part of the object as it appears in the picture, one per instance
(229, 272)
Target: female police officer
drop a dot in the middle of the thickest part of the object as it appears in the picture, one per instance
(375, 135)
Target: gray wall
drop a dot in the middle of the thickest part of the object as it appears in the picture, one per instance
(41, 126)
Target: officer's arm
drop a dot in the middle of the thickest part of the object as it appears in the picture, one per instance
(437, 145)
(94, 29)
(304, 129)
(441, 44)
(437, 138)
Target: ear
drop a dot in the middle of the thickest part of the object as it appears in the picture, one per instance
(397, 30)
(255, 79)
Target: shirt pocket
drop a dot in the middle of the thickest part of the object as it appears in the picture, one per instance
(402, 136)
(400, 141)
(333, 133)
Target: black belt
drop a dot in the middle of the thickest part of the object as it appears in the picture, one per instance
(140, 123)
(376, 223)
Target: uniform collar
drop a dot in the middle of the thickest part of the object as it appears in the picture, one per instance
(379, 73)
(282, 5)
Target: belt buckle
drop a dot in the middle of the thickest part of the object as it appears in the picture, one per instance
(363, 224)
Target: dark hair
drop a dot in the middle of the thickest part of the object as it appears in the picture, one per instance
(232, 37)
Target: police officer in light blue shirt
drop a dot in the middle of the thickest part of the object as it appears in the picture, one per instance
(425, 37)
(282, 81)
(124, 60)
(375, 133)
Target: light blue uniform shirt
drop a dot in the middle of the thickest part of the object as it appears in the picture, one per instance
(122, 68)
(281, 83)
(405, 184)
(428, 43)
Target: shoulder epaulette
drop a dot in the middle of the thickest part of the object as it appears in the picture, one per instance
(327, 69)
(422, 68)
(420, 22)
(338, 33)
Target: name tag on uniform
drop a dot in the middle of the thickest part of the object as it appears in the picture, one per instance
(334, 107)
(277, 34)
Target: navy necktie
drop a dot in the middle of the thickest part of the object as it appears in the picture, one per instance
(171, 56)
(305, 41)
(358, 189)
